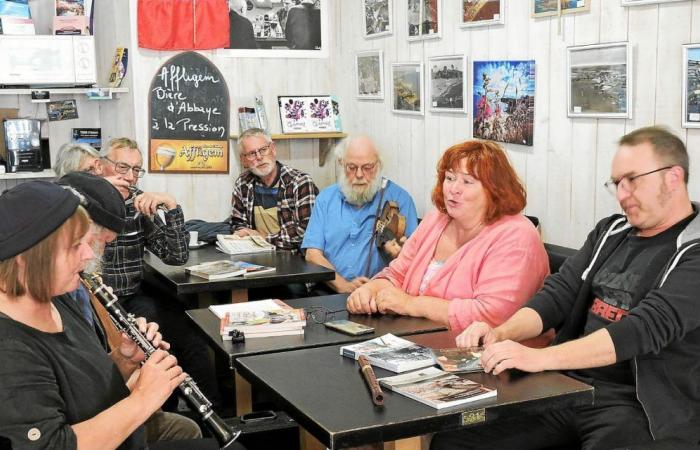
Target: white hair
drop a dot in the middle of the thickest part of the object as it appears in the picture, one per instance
(238, 6)
(70, 157)
(341, 151)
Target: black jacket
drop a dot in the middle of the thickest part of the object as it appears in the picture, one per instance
(661, 335)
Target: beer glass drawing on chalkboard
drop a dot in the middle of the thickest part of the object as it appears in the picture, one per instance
(165, 155)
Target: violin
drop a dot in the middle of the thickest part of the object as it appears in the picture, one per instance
(390, 230)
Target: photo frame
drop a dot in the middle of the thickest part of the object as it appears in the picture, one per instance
(599, 82)
(478, 14)
(424, 19)
(407, 88)
(378, 18)
(691, 86)
(369, 75)
(645, 2)
(545, 8)
(503, 101)
(447, 84)
(271, 37)
(309, 114)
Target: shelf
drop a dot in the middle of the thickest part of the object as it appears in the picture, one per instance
(59, 91)
(48, 173)
(324, 145)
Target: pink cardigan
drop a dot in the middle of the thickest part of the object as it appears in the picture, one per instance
(487, 279)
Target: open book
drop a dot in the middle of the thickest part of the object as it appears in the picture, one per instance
(234, 245)
(391, 353)
(216, 270)
(436, 388)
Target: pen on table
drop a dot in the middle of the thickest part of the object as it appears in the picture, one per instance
(371, 380)
(224, 323)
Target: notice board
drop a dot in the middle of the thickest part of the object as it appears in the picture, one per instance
(189, 117)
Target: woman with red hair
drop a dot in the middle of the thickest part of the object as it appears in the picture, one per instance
(475, 258)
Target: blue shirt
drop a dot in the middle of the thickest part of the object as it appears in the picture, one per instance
(343, 231)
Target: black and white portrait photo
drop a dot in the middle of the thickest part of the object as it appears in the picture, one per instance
(369, 68)
(378, 18)
(424, 19)
(447, 83)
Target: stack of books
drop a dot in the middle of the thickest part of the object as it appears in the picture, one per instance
(217, 270)
(391, 353)
(262, 318)
(234, 245)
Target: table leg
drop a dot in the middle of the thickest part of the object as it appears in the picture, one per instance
(244, 396)
(413, 443)
(239, 295)
(308, 441)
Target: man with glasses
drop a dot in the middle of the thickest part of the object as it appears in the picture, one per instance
(270, 199)
(625, 308)
(340, 235)
(154, 221)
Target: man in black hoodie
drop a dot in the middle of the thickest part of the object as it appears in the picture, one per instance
(626, 312)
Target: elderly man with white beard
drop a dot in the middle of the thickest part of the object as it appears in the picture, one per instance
(270, 199)
(340, 233)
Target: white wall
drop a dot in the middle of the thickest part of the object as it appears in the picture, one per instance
(565, 169)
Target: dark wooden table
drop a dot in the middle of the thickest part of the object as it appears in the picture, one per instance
(325, 393)
(315, 335)
(290, 269)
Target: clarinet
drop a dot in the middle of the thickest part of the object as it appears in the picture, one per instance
(126, 323)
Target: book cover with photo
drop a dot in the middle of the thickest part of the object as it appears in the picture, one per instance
(215, 270)
(437, 388)
(459, 359)
(391, 353)
(235, 245)
(260, 317)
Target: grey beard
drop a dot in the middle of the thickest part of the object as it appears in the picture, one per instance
(359, 198)
(95, 264)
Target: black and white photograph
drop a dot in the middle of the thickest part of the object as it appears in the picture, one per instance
(369, 67)
(424, 19)
(378, 17)
(447, 85)
(278, 28)
(407, 88)
(645, 2)
(477, 13)
(599, 81)
(691, 86)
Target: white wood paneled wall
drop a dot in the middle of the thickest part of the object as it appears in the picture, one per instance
(565, 169)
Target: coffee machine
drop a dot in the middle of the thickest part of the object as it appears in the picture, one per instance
(23, 145)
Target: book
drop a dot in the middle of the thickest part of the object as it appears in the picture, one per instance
(260, 318)
(391, 353)
(216, 270)
(70, 25)
(295, 332)
(11, 25)
(459, 359)
(437, 388)
(15, 8)
(70, 7)
(253, 270)
(235, 245)
(119, 65)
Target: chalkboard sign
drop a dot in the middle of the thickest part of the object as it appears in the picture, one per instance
(189, 117)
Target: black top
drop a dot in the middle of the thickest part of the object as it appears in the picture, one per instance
(242, 34)
(49, 381)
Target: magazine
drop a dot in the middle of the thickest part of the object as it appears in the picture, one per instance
(459, 359)
(436, 388)
(234, 245)
(260, 318)
(391, 353)
(215, 270)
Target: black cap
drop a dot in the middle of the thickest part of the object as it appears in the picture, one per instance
(31, 211)
(103, 201)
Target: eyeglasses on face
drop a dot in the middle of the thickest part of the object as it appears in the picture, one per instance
(629, 183)
(123, 168)
(320, 314)
(262, 151)
(365, 168)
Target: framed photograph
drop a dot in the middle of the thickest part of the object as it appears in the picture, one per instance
(447, 83)
(309, 114)
(691, 86)
(599, 80)
(503, 101)
(369, 73)
(407, 88)
(544, 8)
(645, 2)
(279, 29)
(378, 18)
(424, 19)
(481, 13)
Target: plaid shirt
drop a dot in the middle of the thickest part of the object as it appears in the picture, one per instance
(122, 263)
(297, 194)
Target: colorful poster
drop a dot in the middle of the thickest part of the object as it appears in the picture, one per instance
(178, 155)
(504, 101)
(308, 114)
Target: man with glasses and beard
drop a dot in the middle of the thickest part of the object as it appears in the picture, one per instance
(340, 233)
(270, 199)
